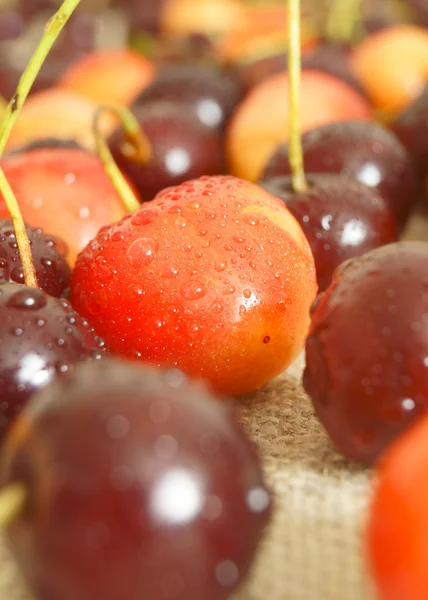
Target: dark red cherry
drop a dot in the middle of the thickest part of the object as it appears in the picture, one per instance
(49, 257)
(333, 59)
(143, 16)
(210, 93)
(411, 127)
(258, 69)
(40, 338)
(367, 350)
(363, 150)
(140, 486)
(183, 148)
(340, 217)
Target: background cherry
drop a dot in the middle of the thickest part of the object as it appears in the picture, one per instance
(209, 92)
(364, 150)
(341, 218)
(144, 487)
(49, 257)
(182, 148)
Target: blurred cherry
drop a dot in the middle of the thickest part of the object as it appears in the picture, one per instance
(210, 93)
(182, 148)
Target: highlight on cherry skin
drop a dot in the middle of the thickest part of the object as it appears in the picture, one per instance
(216, 278)
(138, 484)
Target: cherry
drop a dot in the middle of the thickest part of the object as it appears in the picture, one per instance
(332, 59)
(367, 350)
(358, 149)
(341, 218)
(139, 485)
(182, 148)
(142, 16)
(210, 93)
(58, 187)
(49, 256)
(411, 127)
(213, 276)
(40, 338)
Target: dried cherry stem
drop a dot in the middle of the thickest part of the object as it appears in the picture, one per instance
(12, 501)
(20, 232)
(344, 16)
(53, 29)
(294, 76)
(137, 147)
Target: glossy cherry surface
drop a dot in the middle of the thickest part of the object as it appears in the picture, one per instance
(210, 93)
(363, 150)
(182, 148)
(49, 257)
(140, 486)
(367, 367)
(341, 218)
(40, 338)
(214, 276)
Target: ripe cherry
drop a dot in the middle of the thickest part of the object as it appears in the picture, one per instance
(182, 148)
(214, 276)
(397, 529)
(139, 485)
(40, 338)
(363, 150)
(59, 189)
(341, 218)
(367, 350)
(49, 257)
(210, 93)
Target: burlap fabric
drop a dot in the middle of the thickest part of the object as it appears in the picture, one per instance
(314, 547)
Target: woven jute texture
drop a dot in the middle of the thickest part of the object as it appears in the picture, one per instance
(314, 548)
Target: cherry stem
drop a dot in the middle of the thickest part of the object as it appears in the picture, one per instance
(137, 147)
(294, 74)
(53, 29)
(343, 18)
(12, 501)
(20, 232)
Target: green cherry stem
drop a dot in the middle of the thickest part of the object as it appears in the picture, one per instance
(20, 232)
(137, 147)
(53, 29)
(12, 501)
(294, 74)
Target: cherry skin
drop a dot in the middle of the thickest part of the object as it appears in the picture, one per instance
(210, 93)
(367, 350)
(182, 148)
(411, 127)
(341, 218)
(49, 257)
(140, 486)
(363, 150)
(41, 338)
(398, 520)
(214, 276)
(59, 189)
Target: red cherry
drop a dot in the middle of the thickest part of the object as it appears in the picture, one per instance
(140, 486)
(182, 147)
(363, 150)
(59, 189)
(367, 350)
(341, 218)
(200, 278)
